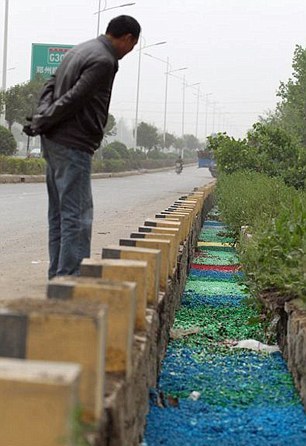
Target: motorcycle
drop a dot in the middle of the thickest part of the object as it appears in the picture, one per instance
(178, 168)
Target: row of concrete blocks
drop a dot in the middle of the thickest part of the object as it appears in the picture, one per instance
(96, 343)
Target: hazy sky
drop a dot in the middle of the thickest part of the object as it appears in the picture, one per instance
(239, 51)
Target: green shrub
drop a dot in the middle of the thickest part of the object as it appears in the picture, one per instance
(97, 166)
(267, 149)
(246, 198)
(119, 147)
(156, 154)
(137, 154)
(114, 165)
(8, 144)
(22, 166)
(109, 153)
(275, 258)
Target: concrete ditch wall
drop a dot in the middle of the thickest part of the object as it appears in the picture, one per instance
(290, 318)
(112, 336)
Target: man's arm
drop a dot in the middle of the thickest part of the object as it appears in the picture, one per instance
(73, 100)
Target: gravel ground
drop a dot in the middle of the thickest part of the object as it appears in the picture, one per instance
(209, 393)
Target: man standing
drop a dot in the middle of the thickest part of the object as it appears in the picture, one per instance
(70, 117)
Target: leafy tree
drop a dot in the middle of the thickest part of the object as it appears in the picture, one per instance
(2, 101)
(110, 128)
(191, 142)
(179, 143)
(8, 144)
(20, 101)
(268, 149)
(232, 155)
(292, 109)
(147, 136)
(275, 149)
(169, 140)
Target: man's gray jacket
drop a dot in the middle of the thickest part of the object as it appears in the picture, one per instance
(73, 106)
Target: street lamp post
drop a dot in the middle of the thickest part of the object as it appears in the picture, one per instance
(206, 114)
(183, 106)
(166, 96)
(198, 109)
(214, 116)
(167, 73)
(107, 9)
(5, 38)
(185, 85)
(198, 106)
(4, 67)
(138, 82)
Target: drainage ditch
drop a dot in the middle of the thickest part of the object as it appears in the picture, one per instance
(223, 381)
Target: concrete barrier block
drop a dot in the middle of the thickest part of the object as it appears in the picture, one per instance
(163, 223)
(190, 212)
(163, 246)
(120, 298)
(199, 195)
(159, 230)
(177, 217)
(207, 188)
(37, 402)
(59, 331)
(191, 204)
(174, 245)
(191, 209)
(185, 209)
(188, 217)
(151, 256)
(190, 201)
(125, 270)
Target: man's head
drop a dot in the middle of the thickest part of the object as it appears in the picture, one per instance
(123, 31)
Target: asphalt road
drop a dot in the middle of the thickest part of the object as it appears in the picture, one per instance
(120, 206)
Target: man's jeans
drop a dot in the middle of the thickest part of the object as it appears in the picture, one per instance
(70, 211)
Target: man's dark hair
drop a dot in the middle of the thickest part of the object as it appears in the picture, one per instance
(123, 24)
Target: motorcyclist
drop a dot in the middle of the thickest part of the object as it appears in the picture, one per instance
(179, 163)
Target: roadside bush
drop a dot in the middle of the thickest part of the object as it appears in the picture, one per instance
(8, 143)
(22, 166)
(120, 148)
(246, 198)
(114, 165)
(274, 260)
(137, 154)
(156, 154)
(97, 166)
(109, 153)
(267, 149)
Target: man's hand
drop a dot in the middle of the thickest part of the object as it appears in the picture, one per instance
(29, 131)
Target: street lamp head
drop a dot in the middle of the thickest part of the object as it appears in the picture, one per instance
(126, 4)
(152, 44)
(114, 7)
(178, 69)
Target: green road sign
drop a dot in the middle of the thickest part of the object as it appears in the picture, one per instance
(46, 58)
